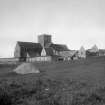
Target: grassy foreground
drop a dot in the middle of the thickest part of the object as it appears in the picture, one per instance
(80, 82)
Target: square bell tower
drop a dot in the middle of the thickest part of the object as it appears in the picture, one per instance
(44, 39)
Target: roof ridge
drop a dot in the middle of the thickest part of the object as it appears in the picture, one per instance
(27, 42)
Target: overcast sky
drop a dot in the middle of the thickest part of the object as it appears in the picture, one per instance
(71, 22)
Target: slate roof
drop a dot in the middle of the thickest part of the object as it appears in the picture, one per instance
(34, 53)
(59, 47)
(49, 51)
(32, 49)
(29, 45)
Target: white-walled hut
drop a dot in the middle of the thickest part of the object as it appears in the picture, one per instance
(82, 52)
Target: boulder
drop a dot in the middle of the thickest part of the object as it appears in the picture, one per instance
(26, 68)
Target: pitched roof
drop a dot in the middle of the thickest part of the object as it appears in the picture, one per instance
(29, 45)
(93, 49)
(32, 49)
(49, 51)
(59, 47)
(33, 53)
(67, 53)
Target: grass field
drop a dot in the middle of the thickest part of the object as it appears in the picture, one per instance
(79, 82)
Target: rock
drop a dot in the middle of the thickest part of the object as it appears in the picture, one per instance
(26, 68)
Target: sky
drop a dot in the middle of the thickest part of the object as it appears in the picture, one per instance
(75, 23)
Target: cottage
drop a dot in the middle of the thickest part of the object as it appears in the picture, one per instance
(101, 52)
(57, 48)
(61, 51)
(69, 55)
(66, 55)
(94, 51)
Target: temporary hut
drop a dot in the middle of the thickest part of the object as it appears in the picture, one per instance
(26, 68)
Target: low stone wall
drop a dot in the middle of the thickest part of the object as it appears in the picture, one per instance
(38, 59)
(9, 60)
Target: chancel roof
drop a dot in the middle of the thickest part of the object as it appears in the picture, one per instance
(59, 47)
(29, 45)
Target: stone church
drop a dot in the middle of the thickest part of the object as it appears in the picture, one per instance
(44, 47)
